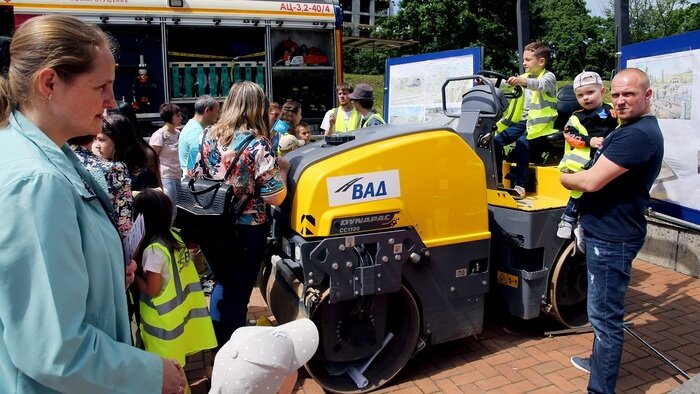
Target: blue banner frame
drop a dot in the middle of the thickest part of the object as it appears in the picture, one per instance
(663, 46)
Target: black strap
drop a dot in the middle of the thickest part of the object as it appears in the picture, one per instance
(201, 153)
(238, 155)
(239, 152)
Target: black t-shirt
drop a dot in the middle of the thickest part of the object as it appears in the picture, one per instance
(616, 212)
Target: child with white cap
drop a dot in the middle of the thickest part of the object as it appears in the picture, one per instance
(584, 133)
(264, 360)
(288, 142)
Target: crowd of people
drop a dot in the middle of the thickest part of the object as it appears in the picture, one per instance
(77, 174)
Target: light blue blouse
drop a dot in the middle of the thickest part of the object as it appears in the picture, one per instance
(63, 316)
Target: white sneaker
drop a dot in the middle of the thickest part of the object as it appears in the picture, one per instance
(565, 230)
(580, 243)
(519, 193)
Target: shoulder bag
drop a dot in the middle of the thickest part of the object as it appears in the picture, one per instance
(206, 205)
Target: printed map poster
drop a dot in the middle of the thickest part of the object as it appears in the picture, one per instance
(675, 84)
(414, 84)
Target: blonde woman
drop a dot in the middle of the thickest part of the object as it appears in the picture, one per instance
(236, 260)
(63, 316)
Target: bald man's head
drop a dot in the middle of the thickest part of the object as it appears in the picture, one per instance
(631, 94)
(642, 77)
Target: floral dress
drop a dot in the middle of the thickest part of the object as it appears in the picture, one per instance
(114, 179)
(256, 172)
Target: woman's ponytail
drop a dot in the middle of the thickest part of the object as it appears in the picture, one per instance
(6, 102)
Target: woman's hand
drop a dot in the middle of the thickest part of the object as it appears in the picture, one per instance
(173, 380)
(130, 273)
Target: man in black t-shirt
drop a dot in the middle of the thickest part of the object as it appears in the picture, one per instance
(612, 217)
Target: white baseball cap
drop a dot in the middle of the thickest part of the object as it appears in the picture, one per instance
(257, 359)
(587, 78)
(289, 142)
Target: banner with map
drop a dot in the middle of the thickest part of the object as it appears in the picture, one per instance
(414, 84)
(673, 66)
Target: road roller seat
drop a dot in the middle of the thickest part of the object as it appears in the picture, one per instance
(480, 98)
(482, 107)
(566, 106)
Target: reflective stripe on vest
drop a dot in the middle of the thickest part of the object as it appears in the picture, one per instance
(176, 322)
(169, 335)
(542, 113)
(353, 121)
(373, 116)
(575, 158)
(168, 306)
(514, 112)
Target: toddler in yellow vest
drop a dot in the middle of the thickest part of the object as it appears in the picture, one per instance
(584, 133)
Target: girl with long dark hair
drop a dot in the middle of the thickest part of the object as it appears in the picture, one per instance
(167, 276)
(118, 141)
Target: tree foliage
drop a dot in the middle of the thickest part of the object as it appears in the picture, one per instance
(455, 24)
(579, 41)
(689, 18)
(650, 19)
(366, 60)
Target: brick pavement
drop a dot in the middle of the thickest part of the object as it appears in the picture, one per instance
(515, 357)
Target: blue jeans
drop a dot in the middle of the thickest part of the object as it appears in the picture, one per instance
(609, 272)
(504, 138)
(171, 187)
(570, 214)
(235, 263)
(524, 152)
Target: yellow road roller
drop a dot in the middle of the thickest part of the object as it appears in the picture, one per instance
(392, 236)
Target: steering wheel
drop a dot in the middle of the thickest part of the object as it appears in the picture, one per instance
(501, 82)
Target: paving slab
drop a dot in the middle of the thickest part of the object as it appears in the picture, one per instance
(515, 357)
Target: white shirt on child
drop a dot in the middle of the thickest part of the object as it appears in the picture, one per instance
(154, 260)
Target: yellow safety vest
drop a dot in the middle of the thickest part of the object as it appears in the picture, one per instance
(353, 121)
(542, 113)
(575, 158)
(373, 116)
(176, 322)
(514, 112)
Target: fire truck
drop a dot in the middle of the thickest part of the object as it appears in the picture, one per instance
(177, 50)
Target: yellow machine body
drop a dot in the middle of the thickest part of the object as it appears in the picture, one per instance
(548, 194)
(391, 237)
(431, 181)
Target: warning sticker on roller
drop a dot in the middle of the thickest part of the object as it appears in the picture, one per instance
(507, 279)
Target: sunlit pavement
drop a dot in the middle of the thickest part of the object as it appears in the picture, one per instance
(515, 357)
